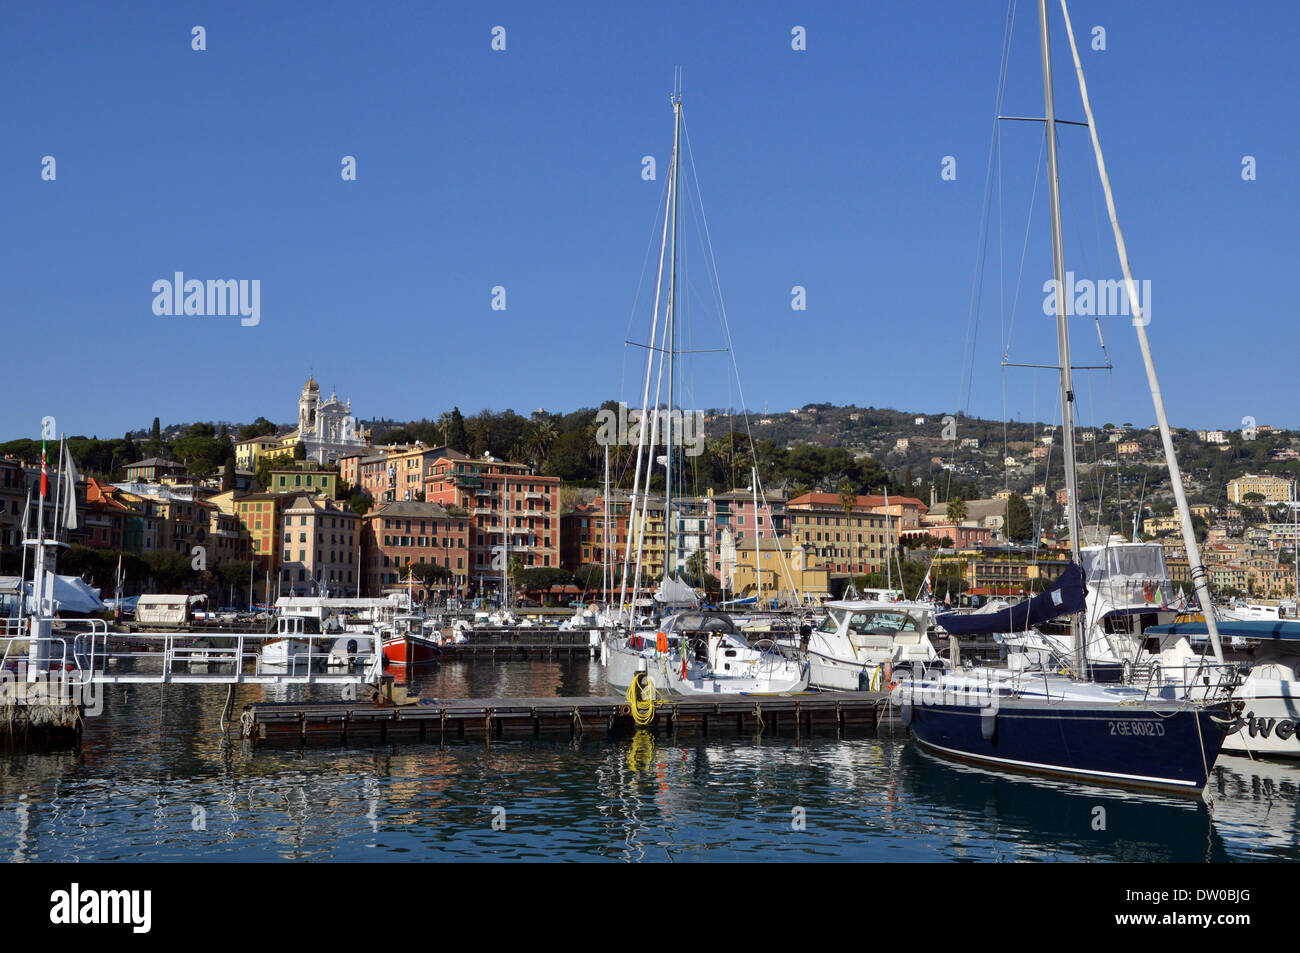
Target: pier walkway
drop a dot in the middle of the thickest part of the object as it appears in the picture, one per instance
(486, 719)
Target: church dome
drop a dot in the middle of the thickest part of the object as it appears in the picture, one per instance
(311, 387)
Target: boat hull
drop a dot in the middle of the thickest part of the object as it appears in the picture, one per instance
(787, 681)
(664, 672)
(834, 674)
(1167, 747)
(1270, 722)
(622, 664)
(284, 652)
(421, 651)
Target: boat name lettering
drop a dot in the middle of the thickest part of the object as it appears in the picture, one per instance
(1263, 727)
(1148, 729)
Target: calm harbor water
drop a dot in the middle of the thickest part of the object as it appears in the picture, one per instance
(154, 780)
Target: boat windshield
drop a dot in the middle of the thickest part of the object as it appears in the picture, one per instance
(834, 619)
(883, 622)
(696, 622)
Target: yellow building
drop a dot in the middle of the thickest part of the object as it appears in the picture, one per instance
(1273, 489)
(249, 453)
(292, 480)
(1159, 525)
(780, 565)
(258, 515)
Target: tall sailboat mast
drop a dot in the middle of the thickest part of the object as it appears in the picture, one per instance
(638, 515)
(1062, 326)
(758, 548)
(672, 341)
(606, 566)
(505, 562)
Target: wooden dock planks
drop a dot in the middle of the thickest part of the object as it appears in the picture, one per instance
(486, 719)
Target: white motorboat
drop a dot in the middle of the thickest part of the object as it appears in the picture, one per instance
(298, 641)
(859, 639)
(1268, 700)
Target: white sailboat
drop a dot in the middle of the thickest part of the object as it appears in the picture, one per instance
(686, 651)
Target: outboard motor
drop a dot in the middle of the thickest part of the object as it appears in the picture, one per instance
(805, 633)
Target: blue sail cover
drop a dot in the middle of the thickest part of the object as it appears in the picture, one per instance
(1065, 597)
(1231, 629)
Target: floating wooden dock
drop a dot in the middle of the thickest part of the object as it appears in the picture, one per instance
(488, 719)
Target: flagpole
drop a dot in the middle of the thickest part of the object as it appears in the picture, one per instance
(22, 573)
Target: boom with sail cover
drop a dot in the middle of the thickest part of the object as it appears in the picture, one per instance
(1065, 597)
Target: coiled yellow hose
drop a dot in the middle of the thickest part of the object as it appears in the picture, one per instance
(641, 698)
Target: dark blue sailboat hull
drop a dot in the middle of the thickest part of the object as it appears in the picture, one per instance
(1165, 747)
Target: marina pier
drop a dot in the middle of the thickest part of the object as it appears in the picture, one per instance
(816, 714)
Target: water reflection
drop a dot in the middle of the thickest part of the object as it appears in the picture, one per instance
(154, 780)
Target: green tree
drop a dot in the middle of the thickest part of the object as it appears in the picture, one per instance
(300, 451)
(228, 475)
(542, 579)
(235, 572)
(588, 576)
(456, 436)
(1019, 520)
(430, 574)
(170, 570)
(261, 427)
(155, 432)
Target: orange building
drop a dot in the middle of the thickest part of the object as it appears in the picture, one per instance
(499, 497)
(404, 533)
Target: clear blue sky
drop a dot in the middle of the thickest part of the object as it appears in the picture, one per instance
(522, 169)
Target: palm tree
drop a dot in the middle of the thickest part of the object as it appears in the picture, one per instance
(847, 497)
(956, 509)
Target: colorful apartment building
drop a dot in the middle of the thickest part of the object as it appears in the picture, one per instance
(735, 517)
(501, 499)
(258, 516)
(319, 541)
(584, 538)
(13, 497)
(853, 542)
(1272, 489)
(397, 535)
